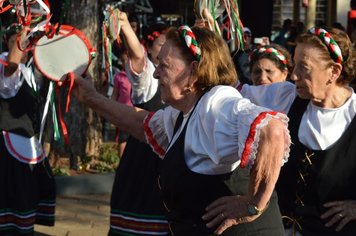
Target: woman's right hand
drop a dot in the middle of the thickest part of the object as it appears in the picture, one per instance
(226, 212)
(339, 213)
(83, 88)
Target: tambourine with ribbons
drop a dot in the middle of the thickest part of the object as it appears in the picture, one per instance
(113, 24)
(62, 54)
(110, 32)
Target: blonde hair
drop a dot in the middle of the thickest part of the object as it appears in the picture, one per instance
(215, 66)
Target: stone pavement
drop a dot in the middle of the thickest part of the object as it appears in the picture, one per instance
(80, 215)
(83, 206)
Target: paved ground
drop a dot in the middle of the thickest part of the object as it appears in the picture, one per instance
(83, 206)
(80, 215)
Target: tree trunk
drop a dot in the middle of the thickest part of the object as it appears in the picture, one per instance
(84, 15)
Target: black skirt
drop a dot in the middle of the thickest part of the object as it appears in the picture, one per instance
(136, 204)
(27, 194)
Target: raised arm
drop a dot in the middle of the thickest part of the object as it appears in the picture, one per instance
(127, 118)
(14, 57)
(135, 50)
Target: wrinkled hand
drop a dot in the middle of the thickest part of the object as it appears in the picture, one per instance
(226, 212)
(340, 213)
(83, 88)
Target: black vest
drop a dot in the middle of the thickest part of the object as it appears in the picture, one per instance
(20, 114)
(311, 178)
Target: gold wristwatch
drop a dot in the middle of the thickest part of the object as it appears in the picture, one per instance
(254, 210)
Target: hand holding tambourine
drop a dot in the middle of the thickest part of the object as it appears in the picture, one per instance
(213, 9)
(206, 13)
(113, 23)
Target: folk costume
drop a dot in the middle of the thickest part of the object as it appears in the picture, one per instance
(201, 158)
(26, 181)
(322, 163)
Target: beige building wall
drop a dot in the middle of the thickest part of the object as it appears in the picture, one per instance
(343, 6)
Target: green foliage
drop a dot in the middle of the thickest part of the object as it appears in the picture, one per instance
(108, 153)
(57, 171)
(108, 158)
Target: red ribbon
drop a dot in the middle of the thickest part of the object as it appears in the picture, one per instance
(2, 10)
(60, 116)
(5, 63)
(70, 79)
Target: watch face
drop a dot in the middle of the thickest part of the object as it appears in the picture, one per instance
(252, 209)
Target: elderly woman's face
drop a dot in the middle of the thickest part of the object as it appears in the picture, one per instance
(173, 74)
(311, 73)
(265, 71)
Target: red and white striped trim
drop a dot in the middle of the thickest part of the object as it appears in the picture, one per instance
(149, 137)
(120, 222)
(250, 145)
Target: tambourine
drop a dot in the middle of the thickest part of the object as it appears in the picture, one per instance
(67, 51)
(113, 24)
(213, 6)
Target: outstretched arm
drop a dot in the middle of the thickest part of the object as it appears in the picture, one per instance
(232, 210)
(127, 118)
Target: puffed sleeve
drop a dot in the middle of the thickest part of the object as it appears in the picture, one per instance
(144, 85)
(276, 96)
(9, 86)
(158, 128)
(224, 132)
(231, 124)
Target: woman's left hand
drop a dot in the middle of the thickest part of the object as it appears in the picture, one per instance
(226, 212)
(340, 213)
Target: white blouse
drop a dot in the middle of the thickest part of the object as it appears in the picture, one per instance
(320, 127)
(222, 132)
(9, 86)
(144, 85)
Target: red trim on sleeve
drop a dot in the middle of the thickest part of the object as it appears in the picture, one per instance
(251, 137)
(156, 148)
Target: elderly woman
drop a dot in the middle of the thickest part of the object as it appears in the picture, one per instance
(270, 64)
(316, 189)
(206, 132)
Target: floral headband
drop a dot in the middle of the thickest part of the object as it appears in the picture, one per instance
(327, 39)
(269, 50)
(190, 40)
